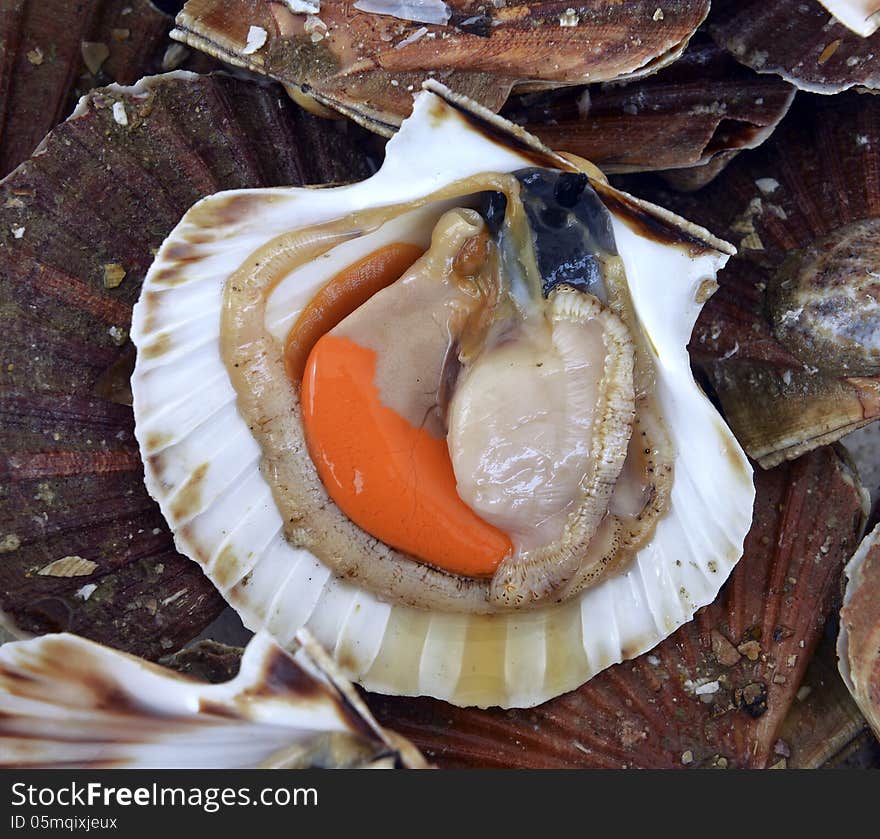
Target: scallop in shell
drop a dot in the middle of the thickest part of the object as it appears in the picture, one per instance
(251, 471)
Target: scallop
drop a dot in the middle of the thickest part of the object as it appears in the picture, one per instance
(444, 417)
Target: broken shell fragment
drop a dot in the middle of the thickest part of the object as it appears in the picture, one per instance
(526, 260)
(693, 116)
(800, 42)
(71, 473)
(857, 643)
(68, 702)
(366, 64)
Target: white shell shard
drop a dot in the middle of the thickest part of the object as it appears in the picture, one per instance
(202, 465)
(420, 11)
(861, 16)
(69, 702)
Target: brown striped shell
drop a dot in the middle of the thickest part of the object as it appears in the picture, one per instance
(687, 120)
(367, 65)
(73, 254)
(54, 51)
(777, 340)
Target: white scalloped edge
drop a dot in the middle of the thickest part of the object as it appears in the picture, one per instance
(67, 701)
(186, 418)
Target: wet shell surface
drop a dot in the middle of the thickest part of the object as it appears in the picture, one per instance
(789, 340)
(364, 59)
(66, 702)
(798, 40)
(73, 254)
(54, 51)
(693, 116)
(859, 638)
(716, 692)
(203, 463)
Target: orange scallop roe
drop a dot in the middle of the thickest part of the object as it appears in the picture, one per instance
(341, 295)
(392, 479)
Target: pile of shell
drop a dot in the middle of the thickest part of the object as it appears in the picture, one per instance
(749, 111)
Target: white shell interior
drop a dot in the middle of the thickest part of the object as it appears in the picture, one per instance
(187, 423)
(67, 701)
(861, 16)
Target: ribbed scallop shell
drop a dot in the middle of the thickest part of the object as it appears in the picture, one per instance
(693, 115)
(104, 194)
(773, 202)
(54, 51)
(798, 40)
(697, 699)
(203, 463)
(366, 65)
(66, 702)
(859, 639)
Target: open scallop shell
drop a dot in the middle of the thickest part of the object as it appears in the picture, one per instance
(798, 40)
(366, 64)
(859, 638)
(66, 702)
(202, 464)
(78, 224)
(780, 204)
(713, 694)
(688, 119)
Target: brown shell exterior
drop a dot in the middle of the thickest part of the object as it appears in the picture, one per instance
(779, 405)
(365, 67)
(755, 641)
(43, 71)
(798, 40)
(70, 475)
(698, 110)
(824, 721)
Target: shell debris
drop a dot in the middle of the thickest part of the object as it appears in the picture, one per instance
(114, 273)
(68, 566)
(256, 37)
(120, 117)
